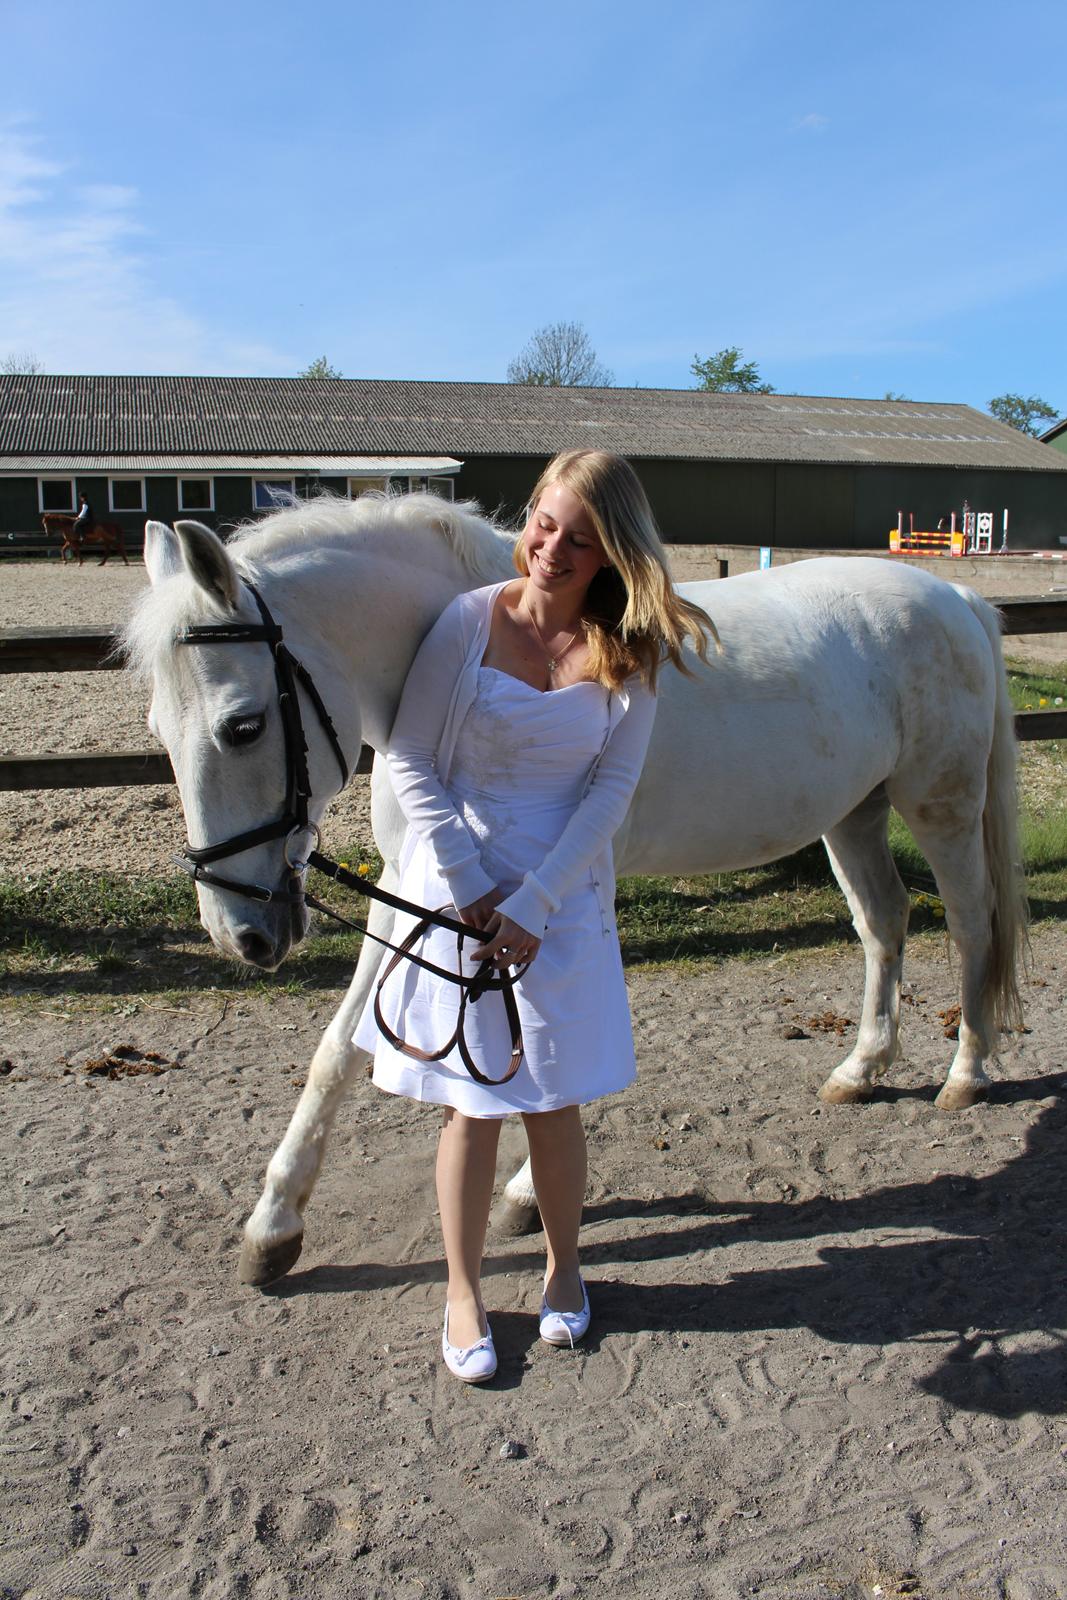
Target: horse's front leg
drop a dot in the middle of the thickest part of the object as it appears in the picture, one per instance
(274, 1233)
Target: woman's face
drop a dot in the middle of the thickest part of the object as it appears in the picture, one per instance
(563, 550)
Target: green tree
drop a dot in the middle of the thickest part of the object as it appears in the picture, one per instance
(320, 368)
(891, 394)
(560, 355)
(726, 373)
(1022, 412)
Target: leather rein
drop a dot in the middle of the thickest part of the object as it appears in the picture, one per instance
(295, 825)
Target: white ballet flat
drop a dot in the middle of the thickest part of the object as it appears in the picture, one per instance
(476, 1363)
(565, 1327)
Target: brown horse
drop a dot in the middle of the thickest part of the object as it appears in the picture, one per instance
(107, 534)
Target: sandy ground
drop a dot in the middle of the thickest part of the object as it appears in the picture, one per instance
(828, 1355)
(138, 829)
(827, 1358)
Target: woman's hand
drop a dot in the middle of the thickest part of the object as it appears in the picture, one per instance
(478, 913)
(508, 945)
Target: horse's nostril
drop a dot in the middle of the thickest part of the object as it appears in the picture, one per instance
(257, 949)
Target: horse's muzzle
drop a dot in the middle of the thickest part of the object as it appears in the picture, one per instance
(260, 950)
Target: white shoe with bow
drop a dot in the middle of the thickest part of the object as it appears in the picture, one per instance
(564, 1327)
(474, 1364)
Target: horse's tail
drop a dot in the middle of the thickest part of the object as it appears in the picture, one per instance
(1000, 833)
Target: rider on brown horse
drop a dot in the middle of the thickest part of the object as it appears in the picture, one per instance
(84, 521)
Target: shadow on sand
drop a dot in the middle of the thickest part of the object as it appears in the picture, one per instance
(996, 1272)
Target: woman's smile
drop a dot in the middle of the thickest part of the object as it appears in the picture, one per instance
(561, 543)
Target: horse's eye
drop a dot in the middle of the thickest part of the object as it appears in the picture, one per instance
(243, 728)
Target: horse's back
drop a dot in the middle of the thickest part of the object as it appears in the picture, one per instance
(834, 673)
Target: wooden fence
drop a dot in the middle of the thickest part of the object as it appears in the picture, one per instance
(94, 650)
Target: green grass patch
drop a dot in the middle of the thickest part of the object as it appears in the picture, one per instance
(1036, 691)
(104, 934)
(792, 904)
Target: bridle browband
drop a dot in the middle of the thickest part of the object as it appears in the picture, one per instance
(290, 675)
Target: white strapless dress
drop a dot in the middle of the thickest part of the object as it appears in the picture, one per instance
(520, 765)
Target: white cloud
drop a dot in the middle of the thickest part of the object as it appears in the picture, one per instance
(76, 280)
(814, 122)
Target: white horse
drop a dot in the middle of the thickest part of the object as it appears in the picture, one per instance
(847, 686)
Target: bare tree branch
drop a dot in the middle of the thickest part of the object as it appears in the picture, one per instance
(560, 355)
(21, 361)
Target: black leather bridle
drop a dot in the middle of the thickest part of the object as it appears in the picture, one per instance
(294, 821)
(294, 824)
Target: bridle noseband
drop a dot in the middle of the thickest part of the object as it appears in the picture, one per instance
(294, 820)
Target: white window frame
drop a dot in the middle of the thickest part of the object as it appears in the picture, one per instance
(196, 477)
(130, 510)
(70, 510)
(283, 479)
(443, 483)
(358, 486)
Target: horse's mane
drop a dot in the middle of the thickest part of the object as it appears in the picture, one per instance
(324, 521)
(326, 518)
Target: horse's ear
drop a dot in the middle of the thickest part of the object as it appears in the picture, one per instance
(162, 552)
(209, 563)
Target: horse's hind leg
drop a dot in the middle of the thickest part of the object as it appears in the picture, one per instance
(274, 1233)
(956, 853)
(859, 854)
(518, 1211)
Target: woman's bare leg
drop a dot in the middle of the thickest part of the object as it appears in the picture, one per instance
(466, 1171)
(558, 1160)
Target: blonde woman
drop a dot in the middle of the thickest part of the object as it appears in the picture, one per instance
(519, 739)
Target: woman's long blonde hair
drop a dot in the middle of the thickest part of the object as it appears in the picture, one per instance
(633, 619)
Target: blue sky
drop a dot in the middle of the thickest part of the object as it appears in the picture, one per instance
(862, 197)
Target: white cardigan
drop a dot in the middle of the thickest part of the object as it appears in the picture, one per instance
(439, 692)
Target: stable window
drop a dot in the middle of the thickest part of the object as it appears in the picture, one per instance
(442, 487)
(358, 486)
(126, 494)
(56, 494)
(270, 494)
(196, 494)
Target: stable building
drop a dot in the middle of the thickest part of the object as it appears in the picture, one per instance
(796, 471)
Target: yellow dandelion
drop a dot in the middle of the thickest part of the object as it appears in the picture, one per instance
(363, 870)
(1042, 702)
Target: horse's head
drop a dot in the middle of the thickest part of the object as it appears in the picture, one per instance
(216, 707)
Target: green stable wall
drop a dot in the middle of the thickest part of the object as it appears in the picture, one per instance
(803, 507)
(696, 502)
(21, 520)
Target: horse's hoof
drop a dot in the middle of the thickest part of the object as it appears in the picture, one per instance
(260, 1265)
(511, 1221)
(835, 1093)
(958, 1096)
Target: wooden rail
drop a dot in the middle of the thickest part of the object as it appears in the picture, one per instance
(96, 650)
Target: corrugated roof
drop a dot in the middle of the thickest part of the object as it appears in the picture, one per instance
(356, 466)
(42, 414)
